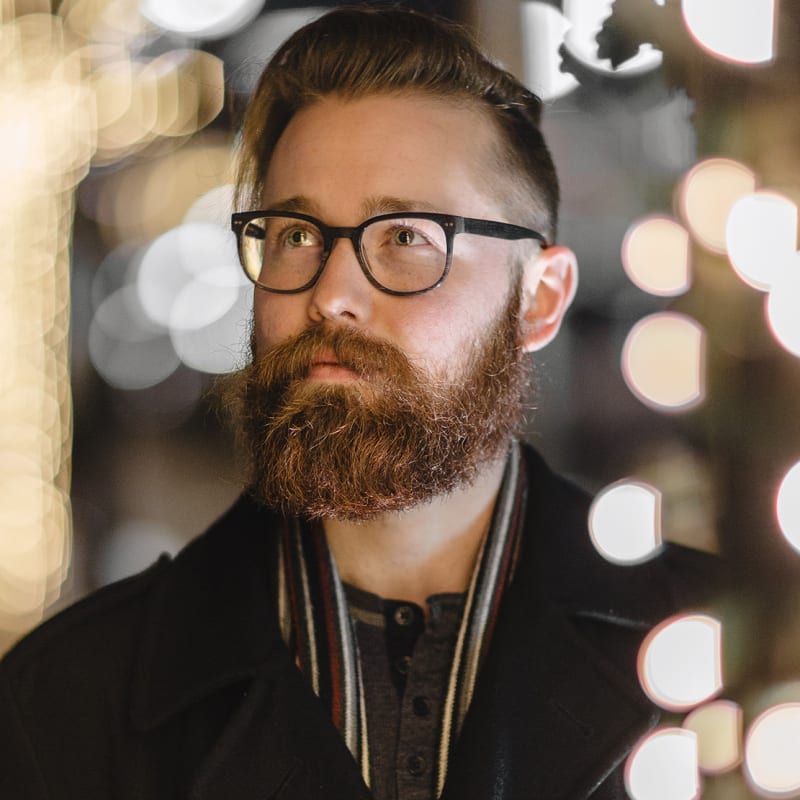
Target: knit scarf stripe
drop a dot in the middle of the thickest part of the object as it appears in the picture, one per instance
(490, 577)
(316, 623)
(321, 632)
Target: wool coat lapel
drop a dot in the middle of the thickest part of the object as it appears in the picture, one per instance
(281, 744)
(212, 625)
(556, 706)
(551, 717)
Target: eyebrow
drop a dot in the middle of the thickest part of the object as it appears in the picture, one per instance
(372, 206)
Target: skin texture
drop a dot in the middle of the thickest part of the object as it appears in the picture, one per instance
(344, 161)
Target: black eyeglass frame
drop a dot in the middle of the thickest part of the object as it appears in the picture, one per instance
(450, 224)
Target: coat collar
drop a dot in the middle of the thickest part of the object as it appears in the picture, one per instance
(211, 622)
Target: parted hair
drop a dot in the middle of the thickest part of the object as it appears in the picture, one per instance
(355, 52)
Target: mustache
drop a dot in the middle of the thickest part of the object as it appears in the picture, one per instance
(367, 356)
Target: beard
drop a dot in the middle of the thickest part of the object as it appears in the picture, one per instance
(394, 438)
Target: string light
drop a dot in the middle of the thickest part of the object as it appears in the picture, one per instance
(655, 255)
(663, 362)
(761, 237)
(742, 31)
(680, 661)
(625, 522)
(718, 727)
(663, 766)
(706, 195)
(771, 761)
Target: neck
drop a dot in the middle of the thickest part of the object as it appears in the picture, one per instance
(428, 549)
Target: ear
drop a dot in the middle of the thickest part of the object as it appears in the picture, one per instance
(549, 282)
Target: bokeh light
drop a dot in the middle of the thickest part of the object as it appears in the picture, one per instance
(575, 25)
(787, 506)
(202, 19)
(133, 546)
(191, 91)
(181, 298)
(680, 661)
(771, 751)
(543, 29)
(126, 348)
(664, 767)
(47, 140)
(585, 18)
(147, 198)
(706, 195)
(761, 237)
(108, 21)
(718, 727)
(220, 345)
(734, 30)
(625, 522)
(197, 252)
(663, 362)
(782, 306)
(246, 53)
(655, 255)
(214, 206)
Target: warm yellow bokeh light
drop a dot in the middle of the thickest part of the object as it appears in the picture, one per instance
(761, 237)
(782, 306)
(663, 362)
(707, 194)
(680, 661)
(655, 255)
(189, 91)
(150, 197)
(625, 522)
(735, 30)
(771, 752)
(47, 139)
(718, 727)
(112, 83)
(106, 21)
(787, 506)
(664, 767)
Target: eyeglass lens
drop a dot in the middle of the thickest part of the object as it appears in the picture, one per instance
(401, 254)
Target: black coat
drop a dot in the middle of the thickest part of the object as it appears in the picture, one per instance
(175, 683)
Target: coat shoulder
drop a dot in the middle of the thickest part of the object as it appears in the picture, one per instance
(87, 626)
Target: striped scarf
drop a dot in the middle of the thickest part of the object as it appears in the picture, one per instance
(316, 624)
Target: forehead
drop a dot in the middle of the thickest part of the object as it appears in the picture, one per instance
(337, 153)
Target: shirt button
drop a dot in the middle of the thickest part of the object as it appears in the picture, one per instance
(403, 664)
(404, 615)
(416, 764)
(421, 706)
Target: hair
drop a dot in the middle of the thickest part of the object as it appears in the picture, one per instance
(355, 52)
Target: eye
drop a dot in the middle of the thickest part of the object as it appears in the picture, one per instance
(298, 237)
(404, 236)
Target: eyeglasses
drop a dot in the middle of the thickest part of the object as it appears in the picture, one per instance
(400, 254)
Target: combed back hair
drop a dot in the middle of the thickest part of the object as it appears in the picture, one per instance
(354, 52)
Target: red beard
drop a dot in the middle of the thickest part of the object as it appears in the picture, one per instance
(390, 440)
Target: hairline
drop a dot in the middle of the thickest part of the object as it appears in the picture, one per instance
(524, 204)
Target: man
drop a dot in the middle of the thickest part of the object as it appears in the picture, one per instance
(405, 598)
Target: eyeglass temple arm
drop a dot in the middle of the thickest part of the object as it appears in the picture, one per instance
(502, 230)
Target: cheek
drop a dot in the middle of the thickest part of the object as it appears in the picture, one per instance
(440, 338)
(273, 319)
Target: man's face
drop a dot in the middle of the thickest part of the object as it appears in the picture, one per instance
(344, 161)
(360, 402)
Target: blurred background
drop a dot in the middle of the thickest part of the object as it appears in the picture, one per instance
(674, 389)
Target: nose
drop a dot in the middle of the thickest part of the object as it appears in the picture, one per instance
(342, 292)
